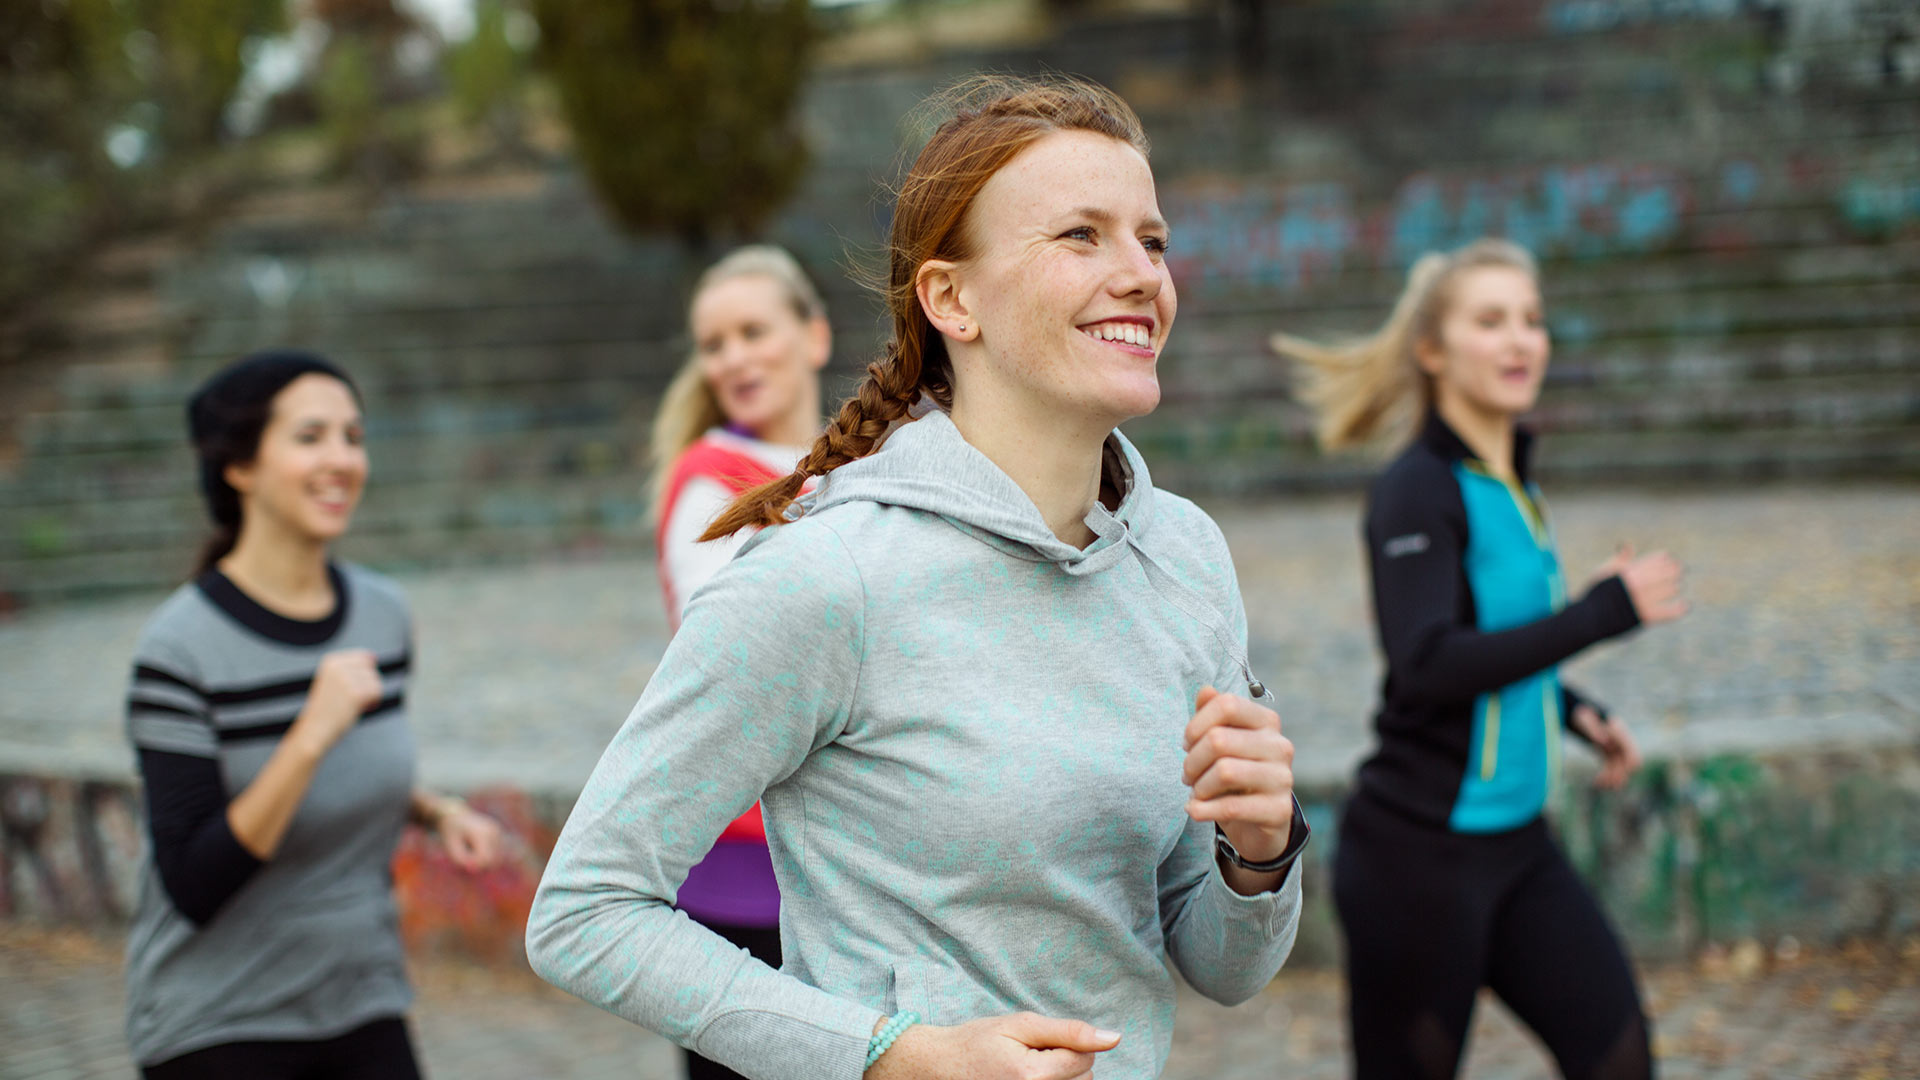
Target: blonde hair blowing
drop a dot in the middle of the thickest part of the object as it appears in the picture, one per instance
(1371, 391)
(688, 408)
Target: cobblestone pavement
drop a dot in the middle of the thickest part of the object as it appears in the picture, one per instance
(1807, 611)
(1846, 1015)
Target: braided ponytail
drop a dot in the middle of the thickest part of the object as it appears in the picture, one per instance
(991, 119)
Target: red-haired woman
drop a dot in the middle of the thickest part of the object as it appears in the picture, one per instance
(990, 684)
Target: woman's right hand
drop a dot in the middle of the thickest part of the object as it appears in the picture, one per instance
(1022, 1046)
(345, 685)
(1652, 581)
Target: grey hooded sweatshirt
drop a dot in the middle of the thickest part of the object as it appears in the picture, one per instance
(966, 735)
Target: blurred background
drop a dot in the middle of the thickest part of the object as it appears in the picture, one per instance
(491, 211)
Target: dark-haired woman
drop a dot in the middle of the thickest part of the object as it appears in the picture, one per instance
(268, 716)
(973, 678)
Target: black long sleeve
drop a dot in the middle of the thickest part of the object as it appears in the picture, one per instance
(1416, 529)
(200, 861)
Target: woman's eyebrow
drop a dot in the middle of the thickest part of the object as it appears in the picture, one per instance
(1105, 217)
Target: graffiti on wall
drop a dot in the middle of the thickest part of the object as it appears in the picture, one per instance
(1590, 16)
(70, 852)
(67, 849)
(1243, 234)
(1864, 42)
(1731, 847)
(1286, 236)
(484, 916)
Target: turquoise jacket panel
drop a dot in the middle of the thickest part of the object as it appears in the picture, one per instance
(1514, 575)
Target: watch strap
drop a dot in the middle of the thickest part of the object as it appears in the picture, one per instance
(1297, 835)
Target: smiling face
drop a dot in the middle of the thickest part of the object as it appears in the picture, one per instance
(1492, 350)
(760, 356)
(307, 475)
(1065, 294)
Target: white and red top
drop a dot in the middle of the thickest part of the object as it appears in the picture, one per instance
(706, 476)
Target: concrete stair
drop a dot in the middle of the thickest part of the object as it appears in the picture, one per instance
(1732, 273)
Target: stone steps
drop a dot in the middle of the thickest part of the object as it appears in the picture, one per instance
(1732, 275)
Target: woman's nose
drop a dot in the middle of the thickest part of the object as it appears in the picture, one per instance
(1138, 273)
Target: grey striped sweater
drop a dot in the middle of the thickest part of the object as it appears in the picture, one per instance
(305, 945)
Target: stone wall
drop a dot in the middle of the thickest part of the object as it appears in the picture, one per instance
(1709, 849)
(1726, 197)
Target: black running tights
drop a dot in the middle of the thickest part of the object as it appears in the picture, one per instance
(1432, 916)
(379, 1050)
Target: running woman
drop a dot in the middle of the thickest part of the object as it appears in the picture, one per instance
(990, 682)
(1447, 878)
(268, 715)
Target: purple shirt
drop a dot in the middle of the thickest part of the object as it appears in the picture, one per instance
(733, 886)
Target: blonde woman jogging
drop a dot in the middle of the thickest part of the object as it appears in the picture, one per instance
(1447, 878)
(739, 414)
(741, 411)
(990, 682)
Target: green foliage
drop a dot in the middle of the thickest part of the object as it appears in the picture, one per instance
(366, 138)
(682, 111)
(348, 91)
(486, 72)
(197, 60)
(158, 73)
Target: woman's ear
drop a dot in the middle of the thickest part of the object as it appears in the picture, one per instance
(1429, 356)
(239, 476)
(819, 342)
(938, 287)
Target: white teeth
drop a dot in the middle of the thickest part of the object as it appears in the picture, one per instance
(1130, 333)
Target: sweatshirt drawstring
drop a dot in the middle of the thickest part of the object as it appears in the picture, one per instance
(1197, 609)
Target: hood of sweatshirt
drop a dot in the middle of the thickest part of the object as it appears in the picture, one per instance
(928, 465)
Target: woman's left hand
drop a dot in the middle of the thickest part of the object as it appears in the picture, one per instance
(472, 839)
(1240, 768)
(1619, 754)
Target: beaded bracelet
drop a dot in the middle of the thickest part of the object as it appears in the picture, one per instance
(882, 1040)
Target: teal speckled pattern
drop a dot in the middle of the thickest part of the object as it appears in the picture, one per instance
(966, 736)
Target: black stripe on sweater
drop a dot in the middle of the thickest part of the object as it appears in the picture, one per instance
(154, 674)
(276, 728)
(139, 704)
(266, 691)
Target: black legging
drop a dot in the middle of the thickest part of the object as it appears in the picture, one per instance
(379, 1050)
(764, 944)
(1432, 916)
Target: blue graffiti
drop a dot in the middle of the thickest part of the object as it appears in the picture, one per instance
(1590, 16)
(1739, 182)
(1880, 204)
(1271, 237)
(1576, 210)
(1278, 237)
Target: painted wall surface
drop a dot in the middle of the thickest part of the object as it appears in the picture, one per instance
(1822, 847)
